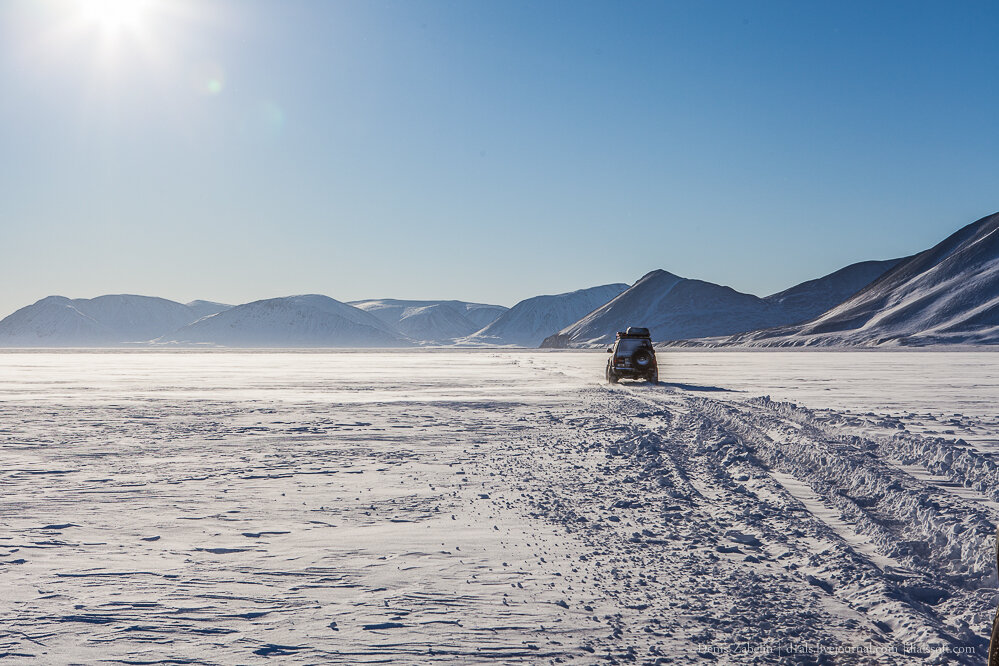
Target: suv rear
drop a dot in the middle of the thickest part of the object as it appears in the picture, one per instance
(632, 357)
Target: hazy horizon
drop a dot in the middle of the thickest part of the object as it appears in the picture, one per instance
(350, 300)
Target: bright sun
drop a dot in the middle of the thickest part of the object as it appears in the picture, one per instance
(114, 15)
(113, 33)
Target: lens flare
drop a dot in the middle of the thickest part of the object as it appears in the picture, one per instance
(209, 78)
(271, 115)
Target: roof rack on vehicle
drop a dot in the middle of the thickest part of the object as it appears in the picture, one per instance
(634, 332)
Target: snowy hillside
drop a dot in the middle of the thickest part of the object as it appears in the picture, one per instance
(948, 294)
(204, 308)
(527, 323)
(293, 321)
(676, 308)
(673, 308)
(810, 299)
(56, 321)
(482, 315)
(437, 322)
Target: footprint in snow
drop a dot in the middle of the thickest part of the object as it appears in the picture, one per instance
(383, 625)
(277, 650)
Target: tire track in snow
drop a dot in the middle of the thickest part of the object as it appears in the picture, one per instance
(943, 540)
(814, 504)
(727, 566)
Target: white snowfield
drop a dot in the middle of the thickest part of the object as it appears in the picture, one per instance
(484, 506)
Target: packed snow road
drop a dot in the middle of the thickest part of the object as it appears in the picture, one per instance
(501, 507)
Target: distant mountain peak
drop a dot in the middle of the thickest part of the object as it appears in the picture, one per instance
(658, 274)
(677, 308)
(530, 321)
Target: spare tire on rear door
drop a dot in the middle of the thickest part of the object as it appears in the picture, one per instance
(641, 358)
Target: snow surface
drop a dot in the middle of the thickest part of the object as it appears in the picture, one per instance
(444, 506)
(530, 321)
(310, 320)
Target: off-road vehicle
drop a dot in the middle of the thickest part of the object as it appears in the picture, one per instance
(632, 357)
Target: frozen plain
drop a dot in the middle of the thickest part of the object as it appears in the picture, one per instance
(497, 506)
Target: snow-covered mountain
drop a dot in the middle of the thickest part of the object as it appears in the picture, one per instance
(528, 322)
(292, 321)
(482, 314)
(676, 308)
(57, 321)
(810, 299)
(672, 307)
(948, 294)
(438, 322)
(204, 308)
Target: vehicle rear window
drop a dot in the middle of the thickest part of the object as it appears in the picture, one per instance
(628, 345)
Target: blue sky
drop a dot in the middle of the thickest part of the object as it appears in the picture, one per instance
(235, 150)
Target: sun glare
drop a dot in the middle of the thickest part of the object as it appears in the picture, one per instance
(115, 36)
(114, 15)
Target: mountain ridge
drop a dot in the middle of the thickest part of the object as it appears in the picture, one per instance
(431, 321)
(108, 320)
(947, 294)
(677, 308)
(528, 322)
(306, 320)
